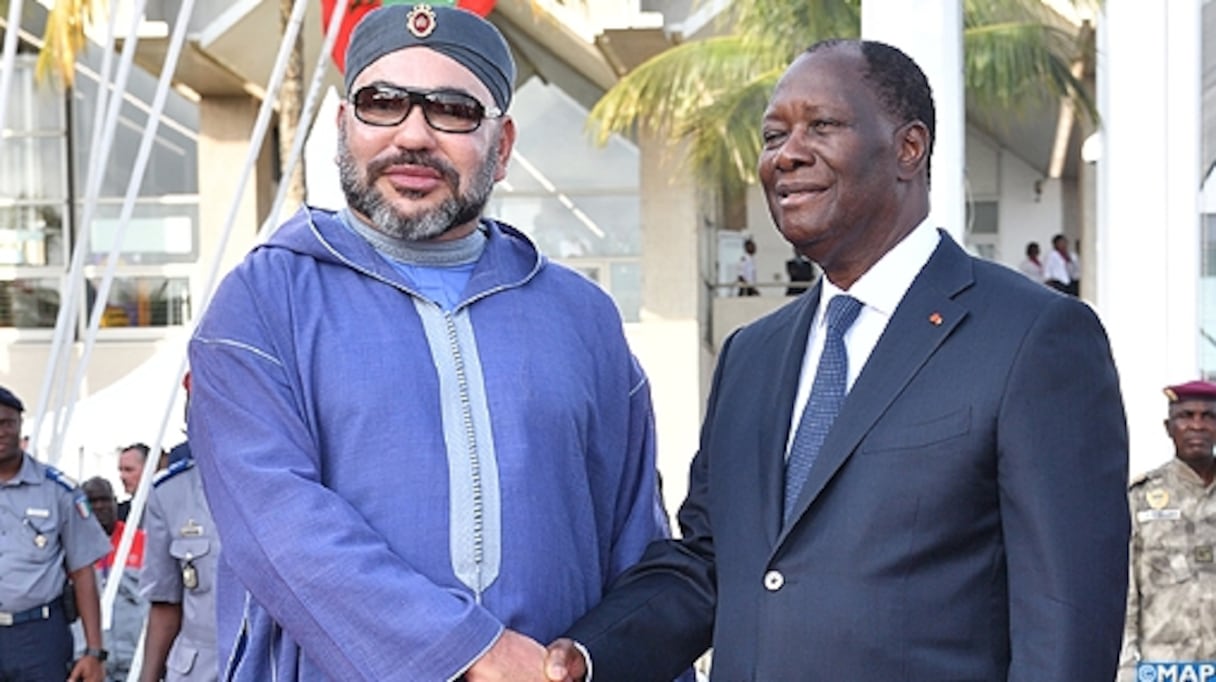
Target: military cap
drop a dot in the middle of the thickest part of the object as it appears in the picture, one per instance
(461, 35)
(7, 398)
(1191, 390)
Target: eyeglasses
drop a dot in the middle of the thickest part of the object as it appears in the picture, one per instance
(449, 111)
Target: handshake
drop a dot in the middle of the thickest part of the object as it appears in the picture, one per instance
(519, 658)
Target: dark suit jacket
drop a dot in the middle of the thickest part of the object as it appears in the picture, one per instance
(966, 518)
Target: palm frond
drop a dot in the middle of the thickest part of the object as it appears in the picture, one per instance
(795, 26)
(1009, 65)
(1019, 52)
(710, 92)
(64, 38)
(670, 87)
(724, 138)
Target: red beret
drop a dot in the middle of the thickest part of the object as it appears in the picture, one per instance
(1191, 390)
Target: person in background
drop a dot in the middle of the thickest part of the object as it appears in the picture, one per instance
(801, 272)
(1060, 269)
(1171, 594)
(129, 609)
(131, 462)
(746, 275)
(179, 579)
(426, 447)
(47, 535)
(1032, 267)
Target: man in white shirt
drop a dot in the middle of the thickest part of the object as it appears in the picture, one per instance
(1060, 269)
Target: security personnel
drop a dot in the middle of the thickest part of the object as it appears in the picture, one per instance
(179, 576)
(47, 533)
(1171, 599)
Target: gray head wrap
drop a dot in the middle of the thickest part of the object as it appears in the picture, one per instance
(465, 37)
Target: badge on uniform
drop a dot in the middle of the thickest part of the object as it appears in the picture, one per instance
(1157, 498)
(191, 529)
(82, 506)
(1158, 515)
(189, 575)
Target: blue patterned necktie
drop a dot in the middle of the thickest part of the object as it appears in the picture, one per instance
(827, 395)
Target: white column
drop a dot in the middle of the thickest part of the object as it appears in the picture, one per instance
(931, 32)
(1148, 206)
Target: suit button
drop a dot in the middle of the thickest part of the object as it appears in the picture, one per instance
(773, 580)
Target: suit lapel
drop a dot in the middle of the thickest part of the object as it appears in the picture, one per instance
(790, 350)
(923, 320)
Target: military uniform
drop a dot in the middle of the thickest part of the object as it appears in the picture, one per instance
(179, 567)
(46, 531)
(1171, 600)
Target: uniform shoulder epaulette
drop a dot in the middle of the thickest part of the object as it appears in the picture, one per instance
(53, 474)
(173, 470)
(1141, 478)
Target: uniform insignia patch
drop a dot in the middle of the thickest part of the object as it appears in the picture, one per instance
(1157, 498)
(421, 21)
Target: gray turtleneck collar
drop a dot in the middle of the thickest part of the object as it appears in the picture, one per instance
(426, 254)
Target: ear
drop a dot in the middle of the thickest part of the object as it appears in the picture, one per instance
(912, 139)
(506, 142)
(340, 120)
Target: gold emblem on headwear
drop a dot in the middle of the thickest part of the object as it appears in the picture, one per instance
(1171, 395)
(421, 21)
(1157, 498)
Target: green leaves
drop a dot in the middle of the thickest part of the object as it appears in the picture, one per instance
(710, 93)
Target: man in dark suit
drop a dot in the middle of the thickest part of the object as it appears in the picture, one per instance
(963, 515)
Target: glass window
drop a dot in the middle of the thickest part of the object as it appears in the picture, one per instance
(158, 232)
(578, 201)
(33, 167)
(32, 107)
(42, 188)
(29, 303)
(144, 301)
(172, 166)
(982, 217)
(32, 234)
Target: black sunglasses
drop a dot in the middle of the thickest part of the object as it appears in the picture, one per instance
(449, 111)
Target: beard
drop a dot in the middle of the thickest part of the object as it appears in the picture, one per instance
(456, 210)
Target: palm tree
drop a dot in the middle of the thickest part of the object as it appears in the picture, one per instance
(291, 104)
(707, 92)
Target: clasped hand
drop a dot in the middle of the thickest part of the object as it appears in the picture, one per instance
(518, 658)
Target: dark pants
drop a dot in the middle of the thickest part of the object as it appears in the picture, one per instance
(36, 651)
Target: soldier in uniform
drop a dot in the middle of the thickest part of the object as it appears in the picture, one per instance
(179, 576)
(47, 533)
(1171, 597)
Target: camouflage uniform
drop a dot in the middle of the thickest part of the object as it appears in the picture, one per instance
(1171, 596)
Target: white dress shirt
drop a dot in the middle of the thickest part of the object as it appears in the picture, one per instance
(1055, 267)
(880, 289)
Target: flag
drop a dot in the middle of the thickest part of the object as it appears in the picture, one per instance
(356, 9)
